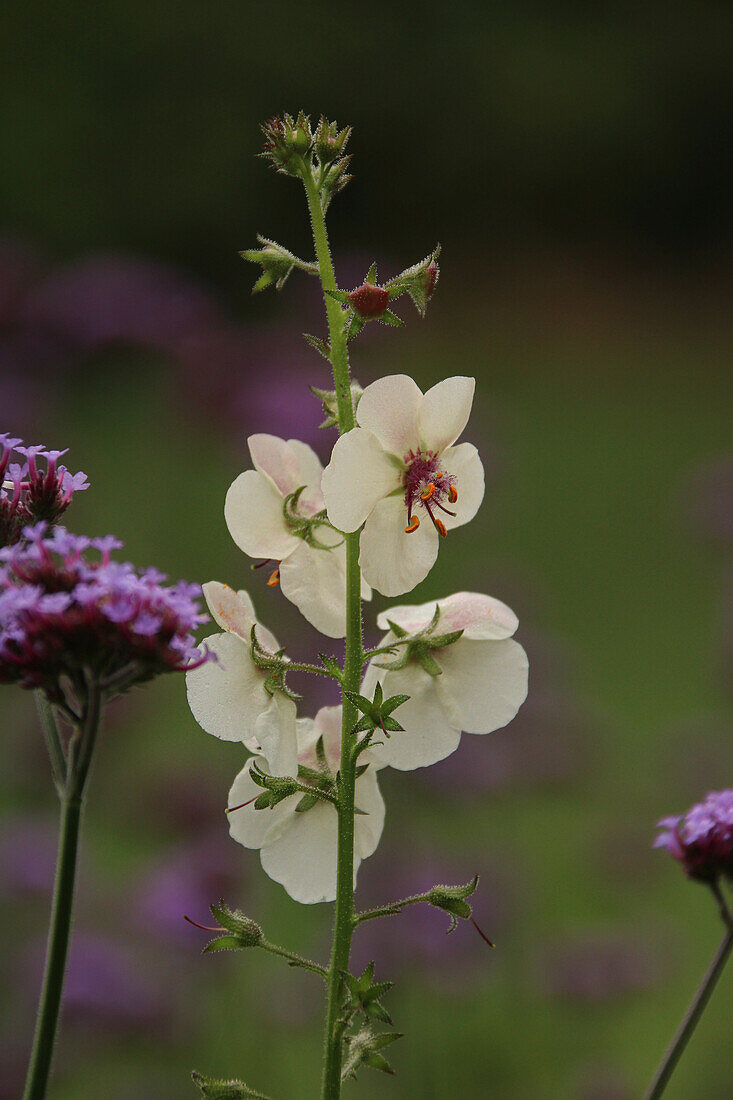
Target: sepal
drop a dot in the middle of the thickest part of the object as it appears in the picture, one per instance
(239, 931)
(419, 281)
(452, 900)
(364, 994)
(277, 264)
(363, 1049)
(214, 1089)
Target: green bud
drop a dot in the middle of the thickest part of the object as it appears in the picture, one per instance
(214, 1089)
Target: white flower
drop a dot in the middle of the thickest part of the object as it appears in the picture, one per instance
(400, 472)
(268, 518)
(475, 684)
(298, 849)
(228, 696)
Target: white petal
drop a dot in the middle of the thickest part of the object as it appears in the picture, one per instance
(480, 617)
(311, 500)
(277, 461)
(328, 726)
(428, 734)
(303, 857)
(253, 510)
(444, 412)
(227, 696)
(483, 683)
(464, 463)
(248, 826)
(275, 733)
(359, 474)
(389, 408)
(391, 561)
(229, 609)
(315, 581)
(368, 826)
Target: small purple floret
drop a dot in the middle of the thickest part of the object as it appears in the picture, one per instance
(70, 613)
(31, 492)
(702, 839)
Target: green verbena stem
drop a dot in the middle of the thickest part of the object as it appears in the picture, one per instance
(344, 912)
(692, 1016)
(63, 899)
(293, 958)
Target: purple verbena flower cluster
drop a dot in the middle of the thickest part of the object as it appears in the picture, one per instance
(702, 839)
(37, 489)
(68, 619)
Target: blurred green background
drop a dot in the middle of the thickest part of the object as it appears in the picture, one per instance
(575, 164)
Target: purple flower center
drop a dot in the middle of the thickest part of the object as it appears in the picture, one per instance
(427, 486)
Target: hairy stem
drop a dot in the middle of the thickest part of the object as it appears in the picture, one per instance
(344, 912)
(62, 905)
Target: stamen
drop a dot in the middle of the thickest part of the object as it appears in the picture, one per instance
(439, 475)
(482, 934)
(261, 564)
(440, 527)
(241, 805)
(203, 927)
(443, 508)
(428, 492)
(274, 579)
(452, 494)
(413, 525)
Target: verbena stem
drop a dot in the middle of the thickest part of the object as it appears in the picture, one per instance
(344, 912)
(695, 1011)
(71, 797)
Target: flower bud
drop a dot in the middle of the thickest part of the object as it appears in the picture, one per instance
(369, 301)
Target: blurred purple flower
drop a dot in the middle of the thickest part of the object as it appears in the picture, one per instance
(21, 265)
(702, 838)
(709, 497)
(597, 966)
(106, 985)
(27, 856)
(112, 299)
(187, 883)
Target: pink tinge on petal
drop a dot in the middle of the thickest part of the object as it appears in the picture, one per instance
(274, 458)
(228, 609)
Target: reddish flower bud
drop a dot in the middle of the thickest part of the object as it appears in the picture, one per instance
(431, 278)
(369, 301)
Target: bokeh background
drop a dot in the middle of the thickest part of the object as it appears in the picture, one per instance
(574, 161)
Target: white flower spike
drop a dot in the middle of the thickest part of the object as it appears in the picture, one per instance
(475, 684)
(298, 849)
(229, 699)
(272, 513)
(399, 472)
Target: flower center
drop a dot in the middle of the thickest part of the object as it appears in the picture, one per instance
(427, 485)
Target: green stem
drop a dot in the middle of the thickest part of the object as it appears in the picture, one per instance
(293, 958)
(344, 911)
(691, 1018)
(62, 905)
(52, 737)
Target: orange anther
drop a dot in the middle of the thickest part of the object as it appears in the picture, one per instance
(439, 475)
(452, 494)
(428, 491)
(274, 579)
(413, 525)
(440, 528)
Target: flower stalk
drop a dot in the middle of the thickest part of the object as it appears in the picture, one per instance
(71, 795)
(353, 662)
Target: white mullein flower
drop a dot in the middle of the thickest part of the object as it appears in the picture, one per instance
(475, 684)
(269, 518)
(400, 475)
(299, 849)
(228, 696)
